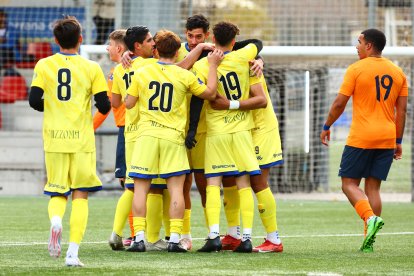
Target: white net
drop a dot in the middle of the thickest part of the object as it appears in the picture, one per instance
(26, 36)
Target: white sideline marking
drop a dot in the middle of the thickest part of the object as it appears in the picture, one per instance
(5, 243)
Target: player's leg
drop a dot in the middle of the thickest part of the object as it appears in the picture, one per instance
(58, 197)
(166, 199)
(266, 204)
(123, 208)
(84, 180)
(154, 218)
(186, 240)
(231, 203)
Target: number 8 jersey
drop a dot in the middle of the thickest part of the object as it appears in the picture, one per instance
(375, 84)
(68, 82)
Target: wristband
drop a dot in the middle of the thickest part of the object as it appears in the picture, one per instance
(234, 105)
(325, 127)
(398, 141)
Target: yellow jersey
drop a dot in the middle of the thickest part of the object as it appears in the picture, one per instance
(161, 90)
(234, 84)
(68, 82)
(122, 79)
(264, 119)
(183, 51)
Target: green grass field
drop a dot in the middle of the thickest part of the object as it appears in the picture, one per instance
(320, 238)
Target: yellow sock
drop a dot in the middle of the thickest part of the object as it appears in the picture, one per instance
(122, 210)
(176, 225)
(231, 205)
(139, 224)
(187, 222)
(57, 206)
(78, 220)
(247, 208)
(166, 212)
(267, 209)
(154, 217)
(213, 205)
(205, 217)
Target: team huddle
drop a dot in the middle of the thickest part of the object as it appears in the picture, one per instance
(202, 110)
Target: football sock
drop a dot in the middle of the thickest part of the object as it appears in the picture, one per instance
(139, 228)
(154, 217)
(73, 250)
(166, 212)
(123, 208)
(205, 216)
(364, 210)
(176, 226)
(247, 211)
(231, 204)
(273, 237)
(131, 222)
(187, 222)
(140, 236)
(267, 209)
(214, 231)
(78, 220)
(57, 207)
(213, 206)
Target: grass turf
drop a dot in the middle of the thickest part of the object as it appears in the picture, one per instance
(320, 238)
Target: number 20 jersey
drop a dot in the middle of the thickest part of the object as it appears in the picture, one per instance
(375, 84)
(68, 82)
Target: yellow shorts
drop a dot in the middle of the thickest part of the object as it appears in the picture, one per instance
(197, 153)
(158, 183)
(71, 171)
(268, 148)
(129, 150)
(154, 157)
(230, 155)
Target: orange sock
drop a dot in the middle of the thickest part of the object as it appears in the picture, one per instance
(131, 224)
(364, 210)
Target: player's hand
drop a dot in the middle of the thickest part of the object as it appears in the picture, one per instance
(398, 152)
(256, 66)
(126, 59)
(190, 140)
(220, 103)
(206, 46)
(215, 57)
(122, 182)
(325, 137)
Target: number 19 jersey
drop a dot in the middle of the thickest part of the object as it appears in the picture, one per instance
(68, 82)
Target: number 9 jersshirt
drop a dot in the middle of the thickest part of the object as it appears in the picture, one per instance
(68, 82)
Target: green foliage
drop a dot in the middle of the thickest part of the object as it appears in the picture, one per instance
(318, 237)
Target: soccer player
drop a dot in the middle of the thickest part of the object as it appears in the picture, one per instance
(380, 92)
(160, 90)
(228, 140)
(268, 148)
(139, 40)
(67, 81)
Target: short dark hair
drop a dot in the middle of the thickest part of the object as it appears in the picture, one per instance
(67, 32)
(135, 34)
(376, 37)
(197, 21)
(225, 32)
(167, 43)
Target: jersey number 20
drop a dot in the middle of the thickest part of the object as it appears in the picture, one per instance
(161, 90)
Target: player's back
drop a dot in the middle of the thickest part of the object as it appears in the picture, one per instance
(233, 83)
(264, 118)
(162, 100)
(68, 82)
(378, 84)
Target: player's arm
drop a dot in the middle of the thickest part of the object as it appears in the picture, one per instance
(102, 102)
(337, 108)
(214, 59)
(196, 105)
(35, 98)
(194, 54)
(401, 112)
(116, 100)
(130, 101)
(257, 99)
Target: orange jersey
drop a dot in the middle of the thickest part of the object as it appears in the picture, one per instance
(375, 84)
(119, 112)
